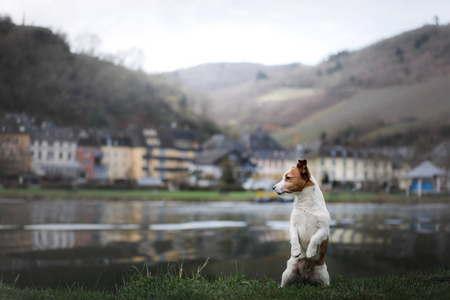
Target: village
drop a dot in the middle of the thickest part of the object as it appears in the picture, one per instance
(173, 158)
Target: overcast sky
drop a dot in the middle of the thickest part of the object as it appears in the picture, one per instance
(175, 34)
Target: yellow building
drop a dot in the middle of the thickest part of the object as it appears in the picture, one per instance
(15, 156)
(138, 163)
(117, 158)
(161, 153)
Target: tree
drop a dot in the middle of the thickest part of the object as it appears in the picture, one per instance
(227, 180)
(261, 75)
(87, 43)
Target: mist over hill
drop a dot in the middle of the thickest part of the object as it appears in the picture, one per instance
(382, 94)
(39, 76)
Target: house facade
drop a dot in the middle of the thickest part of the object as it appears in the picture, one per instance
(116, 153)
(163, 153)
(15, 160)
(54, 152)
(218, 156)
(349, 167)
(14, 153)
(271, 159)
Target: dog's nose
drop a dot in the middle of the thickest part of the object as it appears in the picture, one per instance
(273, 188)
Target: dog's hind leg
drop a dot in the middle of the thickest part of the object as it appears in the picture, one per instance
(290, 275)
(321, 275)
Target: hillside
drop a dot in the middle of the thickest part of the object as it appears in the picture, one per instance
(41, 77)
(366, 96)
(215, 76)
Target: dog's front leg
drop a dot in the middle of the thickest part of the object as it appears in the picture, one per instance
(314, 244)
(295, 242)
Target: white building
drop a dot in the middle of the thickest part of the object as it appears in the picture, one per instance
(53, 152)
(350, 167)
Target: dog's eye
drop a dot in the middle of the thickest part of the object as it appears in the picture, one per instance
(287, 178)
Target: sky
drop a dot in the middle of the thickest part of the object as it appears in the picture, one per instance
(166, 35)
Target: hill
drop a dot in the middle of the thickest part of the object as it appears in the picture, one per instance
(377, 95)
(41, 77)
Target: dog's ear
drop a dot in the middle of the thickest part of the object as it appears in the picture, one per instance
(301, 165)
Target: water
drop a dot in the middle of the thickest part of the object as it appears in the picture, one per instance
(51, 242)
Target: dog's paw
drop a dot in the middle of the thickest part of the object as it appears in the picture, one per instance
(311, 252)
(295, 251)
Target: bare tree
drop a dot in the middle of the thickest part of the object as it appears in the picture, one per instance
(87, 43)
(132, 58)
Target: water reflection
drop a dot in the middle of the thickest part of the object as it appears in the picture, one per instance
(52, 241)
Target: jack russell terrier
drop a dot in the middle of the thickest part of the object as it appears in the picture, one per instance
(309, 227)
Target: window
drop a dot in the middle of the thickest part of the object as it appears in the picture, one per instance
(60, 155)
(87, 153)
(50, 155)
(86, 163)
(39, 155)
(69, 156)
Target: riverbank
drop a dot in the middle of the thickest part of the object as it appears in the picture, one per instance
(198, 195)
(176, 285)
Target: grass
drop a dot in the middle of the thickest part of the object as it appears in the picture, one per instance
(176, 284)
(283, 94)
(35, 193)
(333, 197)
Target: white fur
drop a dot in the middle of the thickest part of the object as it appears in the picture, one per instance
(309, 227)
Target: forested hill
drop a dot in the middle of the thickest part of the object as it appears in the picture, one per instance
(41, 77)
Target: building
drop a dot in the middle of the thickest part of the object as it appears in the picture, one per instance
(15, 160)
(349, 167)
(89, 156)
(425, 179)
(218, 156)
(440, 156)
(162, 153)
(117, 158)
(271, 158)
(15, 157)
(54, 151)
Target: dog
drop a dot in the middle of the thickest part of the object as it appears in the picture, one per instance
(309, 227)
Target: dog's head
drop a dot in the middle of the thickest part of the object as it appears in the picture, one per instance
(294, 180)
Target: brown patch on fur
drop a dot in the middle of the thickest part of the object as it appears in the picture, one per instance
(298, 178)
(295, 182)
(323, 248)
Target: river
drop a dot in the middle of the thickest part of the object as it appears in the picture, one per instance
(54, 242)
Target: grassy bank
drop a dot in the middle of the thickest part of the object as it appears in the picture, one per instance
(37, 193)
(192, 195)
(176, 286)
